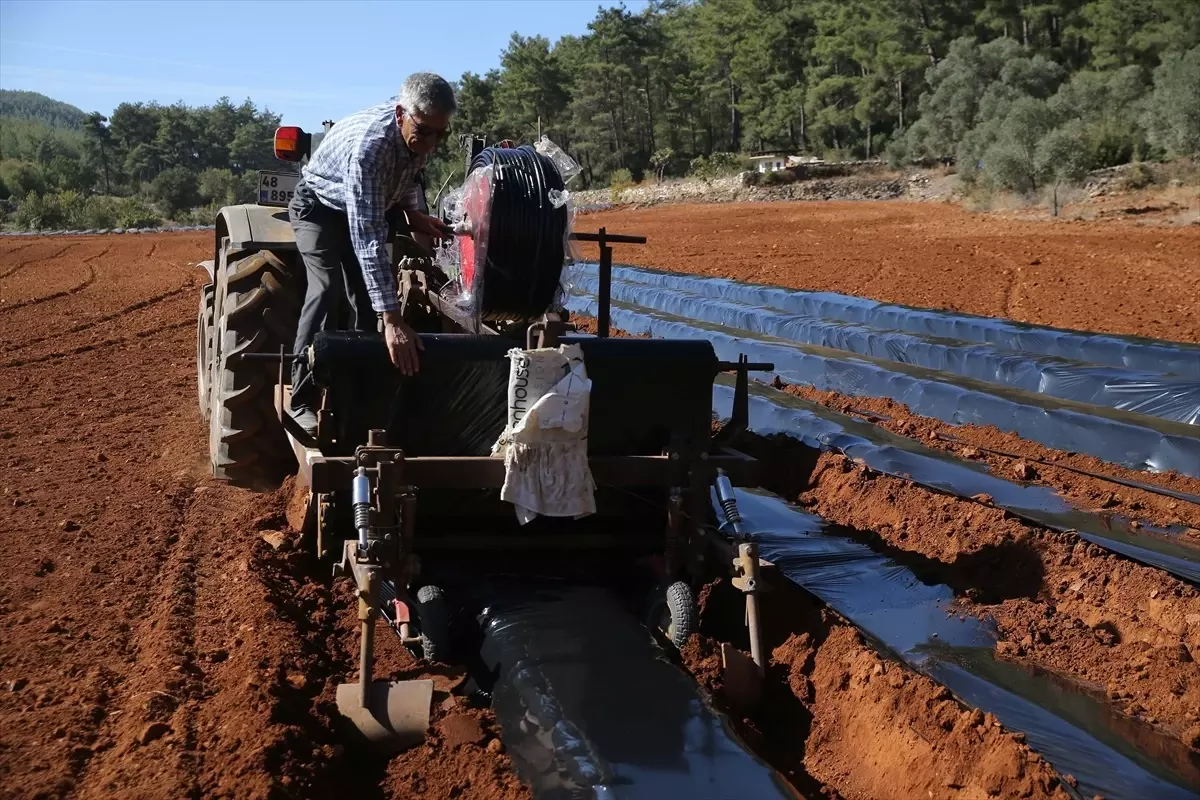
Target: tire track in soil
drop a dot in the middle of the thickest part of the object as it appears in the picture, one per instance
(155, 704)
(91, 584)
(87, 348)
(83, 326)
(270, 642)
(15, 269)
(21, 248)
(86, 282)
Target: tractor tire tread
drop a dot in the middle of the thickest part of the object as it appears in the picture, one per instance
(247, 443)
(685, 616)
(204, 329)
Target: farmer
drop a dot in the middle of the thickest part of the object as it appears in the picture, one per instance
(365, 167)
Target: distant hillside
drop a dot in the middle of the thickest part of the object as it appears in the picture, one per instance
(38, 107)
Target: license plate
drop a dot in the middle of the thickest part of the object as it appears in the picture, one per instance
(276, 188)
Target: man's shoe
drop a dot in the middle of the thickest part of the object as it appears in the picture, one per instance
(306, 418)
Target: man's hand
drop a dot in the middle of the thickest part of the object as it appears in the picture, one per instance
(430, 226)
(402, 343)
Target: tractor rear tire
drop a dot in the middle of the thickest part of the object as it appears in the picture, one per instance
(259, 310)
(433, 614)
(204, 330)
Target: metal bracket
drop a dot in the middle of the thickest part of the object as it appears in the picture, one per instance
(546, 332)
(746, 580)
(739, 418)
(604, 295)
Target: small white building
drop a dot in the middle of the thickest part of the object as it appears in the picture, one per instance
(772, 162)
(769, 163)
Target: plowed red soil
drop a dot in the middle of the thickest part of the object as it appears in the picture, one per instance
(1104, 622)
(1104, 276)
(841, 721)
(151, 643)
(1098, 619)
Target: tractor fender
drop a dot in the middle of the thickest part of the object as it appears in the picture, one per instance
(253, 227)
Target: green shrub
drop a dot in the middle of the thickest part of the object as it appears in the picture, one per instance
(723, 164)
(31, 211)
(101, 212)
(1172, 112)
(1138, 176)
(221, 187)
(618, 181)
(49, 211)
(1062, 159)
(174, 190)
(203, 215)
(661, 161)
(1010, 160)
(133, 212)
(716, 165)
(67, 210)
(1007, 166)
(20, 178)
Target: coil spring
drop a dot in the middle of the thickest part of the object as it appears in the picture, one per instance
(731, 511)
(362, 516)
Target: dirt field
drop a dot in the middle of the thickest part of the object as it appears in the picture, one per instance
(1114, 276)
(152, 644)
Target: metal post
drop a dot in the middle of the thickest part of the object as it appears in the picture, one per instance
(602, 319)
(747, 562)
(366, 612)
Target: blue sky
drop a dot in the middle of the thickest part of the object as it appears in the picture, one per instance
(308, 60)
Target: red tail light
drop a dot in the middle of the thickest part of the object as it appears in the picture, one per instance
(292, 143)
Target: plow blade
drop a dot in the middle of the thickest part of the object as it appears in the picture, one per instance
(395, 715)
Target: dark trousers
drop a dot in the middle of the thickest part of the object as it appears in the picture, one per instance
(337, 297)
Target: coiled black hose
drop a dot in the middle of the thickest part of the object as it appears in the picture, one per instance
(526, 234)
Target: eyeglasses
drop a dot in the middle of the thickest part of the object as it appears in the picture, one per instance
(424, 131)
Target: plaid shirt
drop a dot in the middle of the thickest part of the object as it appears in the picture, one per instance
(364, 167)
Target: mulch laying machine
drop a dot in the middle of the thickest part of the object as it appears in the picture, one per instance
(519, 445)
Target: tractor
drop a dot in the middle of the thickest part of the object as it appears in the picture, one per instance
(402, 487)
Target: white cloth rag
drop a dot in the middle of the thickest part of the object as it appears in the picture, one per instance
(545, 441)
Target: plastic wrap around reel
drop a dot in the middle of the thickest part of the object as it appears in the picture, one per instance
(513, 218)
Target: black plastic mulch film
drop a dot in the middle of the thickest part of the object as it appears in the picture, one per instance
(589, 706)
(774, 412)
(1141, 391)
(1136, 441)
(1152, 356)
(1079, 735)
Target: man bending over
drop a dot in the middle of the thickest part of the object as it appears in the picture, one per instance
(366, 166)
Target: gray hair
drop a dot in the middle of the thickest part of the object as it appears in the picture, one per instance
(427, 93)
